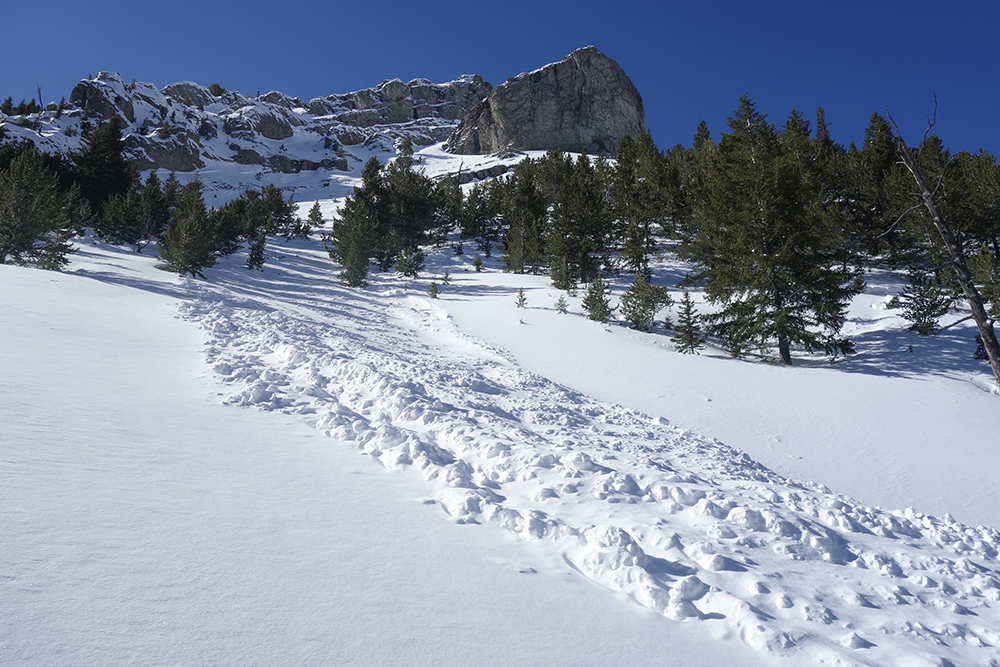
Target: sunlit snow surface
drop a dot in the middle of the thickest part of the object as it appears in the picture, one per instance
(502, 422)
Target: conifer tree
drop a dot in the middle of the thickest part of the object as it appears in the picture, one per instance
(579, 229)
(188, 244)
(34, 214)
(641, 302)
(100, 167)
(689, 337)
(521, 301)
(562, 305)
(315, 217)
(354, 238)
(637, 199)
(257, 255)
(768, 241)
(596, 303)
(924, 300)
(433, 290)
(524, 211)
(409, 263)
(477, 263)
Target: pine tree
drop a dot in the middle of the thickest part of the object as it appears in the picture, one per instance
(136, 216)
(562, 305)
(578, 229)
(596, 303)
(34, 214)
(433, 290)
(100, 167)
(689, 337)
(409, 263)
(257, 255)
(188, 244)
(641, 302)
(477, 263)
(924, 300)
(354, 238)
(637, 199)
(521, 301)
(524, 211)
(768, 241)
(315, 217)
(446, 278)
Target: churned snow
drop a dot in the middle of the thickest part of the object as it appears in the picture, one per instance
(271, 468)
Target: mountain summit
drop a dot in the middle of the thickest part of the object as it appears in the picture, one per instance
(585, 102)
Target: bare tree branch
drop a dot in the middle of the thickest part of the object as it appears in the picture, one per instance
(959, 321)
(900, 219)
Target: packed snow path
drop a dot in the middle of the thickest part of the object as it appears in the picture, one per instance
(683, 525)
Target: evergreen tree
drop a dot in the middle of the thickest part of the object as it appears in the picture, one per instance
(136, 216)
(637, 200)
(579, 227)
(524, 211)
(433, 290)
(521, 301)
(257, 255)
(562, 305)
(354, 237)
(100, 167)
(767, 241)
(315, 217)
(480, 214)
(409, 263)
(596, 303)
(924, 300)
(188, 243)
(477, 263)
(409, 202)
(35, 216)
(641, 302)
(689, 337)
(446, 278)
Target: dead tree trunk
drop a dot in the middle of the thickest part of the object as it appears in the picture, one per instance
(955, 253)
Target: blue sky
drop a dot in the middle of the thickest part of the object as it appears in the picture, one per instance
(690, 60)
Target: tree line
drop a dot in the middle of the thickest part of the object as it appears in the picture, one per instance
(46, 199)
(779, 224)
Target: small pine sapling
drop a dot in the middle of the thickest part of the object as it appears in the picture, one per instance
(562, 305)
(923, 301)
(315, 217)
(433, 290)
(446, 278)
(521, 300)
(689, 337)
(641, 302)
(477, 263)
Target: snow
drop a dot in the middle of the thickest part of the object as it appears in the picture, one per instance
(270, 467)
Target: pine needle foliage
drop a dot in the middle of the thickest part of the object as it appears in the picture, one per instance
(642, 301)
(689, 337)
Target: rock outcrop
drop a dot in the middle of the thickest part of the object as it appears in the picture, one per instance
(585, 102)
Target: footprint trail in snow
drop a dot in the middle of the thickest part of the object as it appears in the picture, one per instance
(683, 525)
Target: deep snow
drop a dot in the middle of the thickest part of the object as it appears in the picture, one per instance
(516, 466)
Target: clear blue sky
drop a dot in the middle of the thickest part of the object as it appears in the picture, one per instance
(690, 60)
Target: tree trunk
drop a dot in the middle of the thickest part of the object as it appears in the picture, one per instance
(957, 258)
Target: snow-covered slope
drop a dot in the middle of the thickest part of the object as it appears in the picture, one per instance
(391, 445)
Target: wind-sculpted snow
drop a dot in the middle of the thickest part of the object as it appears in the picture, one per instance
(683, 525)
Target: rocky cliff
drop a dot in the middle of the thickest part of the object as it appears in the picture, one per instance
(585, 102)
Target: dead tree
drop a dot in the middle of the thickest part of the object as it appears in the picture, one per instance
(928, 196)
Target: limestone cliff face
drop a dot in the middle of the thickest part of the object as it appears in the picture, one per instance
(184, 127)
(585, 102)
